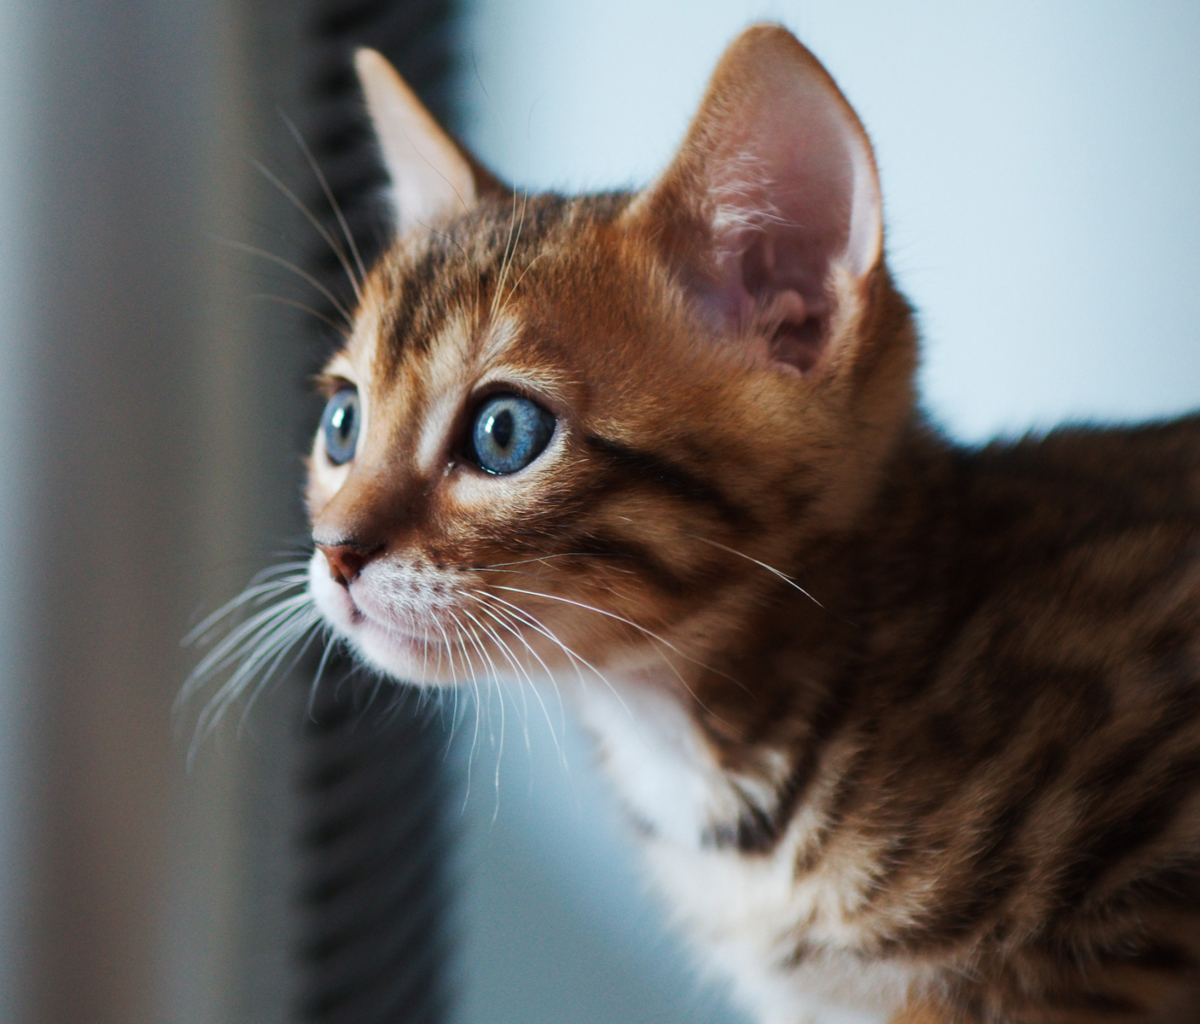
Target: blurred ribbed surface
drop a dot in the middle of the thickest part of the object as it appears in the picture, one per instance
(416, 36)
(377, 888)
(375, 903)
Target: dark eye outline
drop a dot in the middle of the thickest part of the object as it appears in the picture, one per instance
(547, 424)
(337, 452)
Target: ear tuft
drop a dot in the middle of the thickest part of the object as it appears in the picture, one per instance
(431, 178)
(771, 208)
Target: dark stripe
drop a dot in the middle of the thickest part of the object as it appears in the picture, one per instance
(1166, 958)
(995, 871)
(619, 549)
(1095, 1003)
(758, 830)
(1124, 764)
(1001, 834)
(651, 469)
(826, 724)
(422, 306)
(843, 797)
(1171, 885)
(1106, 843)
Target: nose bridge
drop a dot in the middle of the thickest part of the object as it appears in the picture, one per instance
(368, 512)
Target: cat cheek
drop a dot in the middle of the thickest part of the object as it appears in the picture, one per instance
(324, 482)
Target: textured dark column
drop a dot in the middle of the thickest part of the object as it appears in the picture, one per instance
(377, 842)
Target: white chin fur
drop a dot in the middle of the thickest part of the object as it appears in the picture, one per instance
(389, 649)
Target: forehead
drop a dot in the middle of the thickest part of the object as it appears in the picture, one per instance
(428, 284)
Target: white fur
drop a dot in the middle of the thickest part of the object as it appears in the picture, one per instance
(744, 912)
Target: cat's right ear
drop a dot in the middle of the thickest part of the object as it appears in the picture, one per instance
(432, 177)
(770, 213)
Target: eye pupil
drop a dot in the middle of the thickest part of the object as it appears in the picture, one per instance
(501, 428)
(508, 433)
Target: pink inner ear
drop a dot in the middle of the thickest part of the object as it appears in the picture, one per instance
(790, 193)
(796, 331)
(778, 177)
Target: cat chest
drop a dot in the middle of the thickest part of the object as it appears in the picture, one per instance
(788, 940)
(788, 944)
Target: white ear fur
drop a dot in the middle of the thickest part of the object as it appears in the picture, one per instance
(777, 181)
(430, 178)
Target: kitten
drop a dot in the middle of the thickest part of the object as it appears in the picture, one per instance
(901, 725)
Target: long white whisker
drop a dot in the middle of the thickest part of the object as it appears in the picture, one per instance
(285, 301)
(272, 641)
(653, 637)
(241, 639)
(771, 569)
(517, 667)
(512, 658)
(304, 275)
(331, 641)
(312, 219)
(619, 618)
(337, 209)
(576, 659)
(261, 587)
(506, 618)
(310, 633)
(267, 646)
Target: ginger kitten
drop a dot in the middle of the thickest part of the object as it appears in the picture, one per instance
(901, 725)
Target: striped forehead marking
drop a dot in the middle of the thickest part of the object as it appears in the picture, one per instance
(424, 281)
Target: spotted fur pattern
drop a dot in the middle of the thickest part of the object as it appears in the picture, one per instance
(900, 725)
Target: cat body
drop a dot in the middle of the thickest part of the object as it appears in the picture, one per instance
(961, 791)
(900, 725)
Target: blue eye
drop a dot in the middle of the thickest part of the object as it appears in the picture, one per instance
(509, 432)
(339, 424)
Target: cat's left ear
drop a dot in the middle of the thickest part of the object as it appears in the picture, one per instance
(432, 177)
(770, 213)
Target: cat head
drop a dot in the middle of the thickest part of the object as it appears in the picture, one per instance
(573, 432)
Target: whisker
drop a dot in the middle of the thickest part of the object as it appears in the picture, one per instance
(304, 275)
(511, 657)
(510, 251)
(619, 618)
(520, 670)
(260, 587)
(529, 619)
(312, 219)
(284, 301)
(242, 638)
(308, 636)
(261, 654)
(331, 641)
(337, 209)
(771, 569)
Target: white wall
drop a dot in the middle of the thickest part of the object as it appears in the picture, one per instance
(1040, 165)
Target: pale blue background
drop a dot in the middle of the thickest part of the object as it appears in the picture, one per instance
(1041, 173)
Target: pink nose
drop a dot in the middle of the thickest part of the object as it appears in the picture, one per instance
(346, 561)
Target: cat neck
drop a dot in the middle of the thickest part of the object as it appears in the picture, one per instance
(719, 749)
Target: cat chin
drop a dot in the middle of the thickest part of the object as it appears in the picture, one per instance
(404, 656)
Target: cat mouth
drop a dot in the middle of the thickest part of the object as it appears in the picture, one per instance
(358, 616)
(414, 636)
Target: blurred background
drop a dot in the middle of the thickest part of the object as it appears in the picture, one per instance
(1039, 166)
